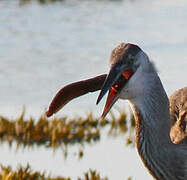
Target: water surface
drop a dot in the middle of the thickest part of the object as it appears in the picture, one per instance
(44, 47)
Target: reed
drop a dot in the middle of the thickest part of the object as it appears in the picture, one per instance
(25, 173)
(61, 132)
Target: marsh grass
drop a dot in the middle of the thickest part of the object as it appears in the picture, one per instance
(62, 132)
(25, 173)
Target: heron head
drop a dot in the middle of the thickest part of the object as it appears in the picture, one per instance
(128, 62)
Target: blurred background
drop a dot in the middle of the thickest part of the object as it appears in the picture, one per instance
(45, 45)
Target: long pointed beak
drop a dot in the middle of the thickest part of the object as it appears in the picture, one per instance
(114, 82)
(112, 77)
(113, 96)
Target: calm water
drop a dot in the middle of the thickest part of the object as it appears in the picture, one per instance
(44, 47)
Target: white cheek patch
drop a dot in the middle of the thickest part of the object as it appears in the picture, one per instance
(134, 87)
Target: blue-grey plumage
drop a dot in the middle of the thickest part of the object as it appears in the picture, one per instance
(150, 104)
(133, 77)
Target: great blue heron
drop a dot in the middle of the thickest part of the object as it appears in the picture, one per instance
(133, 77)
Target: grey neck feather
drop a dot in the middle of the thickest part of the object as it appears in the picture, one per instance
(164, 160)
